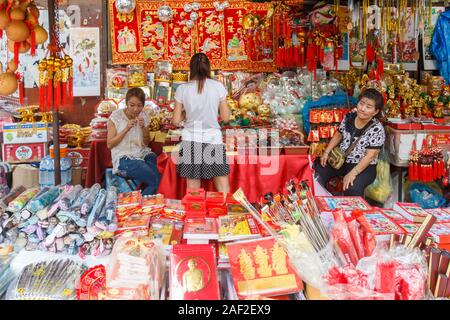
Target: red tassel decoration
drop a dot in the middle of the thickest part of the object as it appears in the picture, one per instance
(410, 171)
(296, 56)
(370, 52)
(1, 33)
(49, 93)
(64, 93)
(33, 43)
(380, 68)
(57, 95)
(42, 98)
(21, 94)
(70, 92)
(16, 52)
(416, 171)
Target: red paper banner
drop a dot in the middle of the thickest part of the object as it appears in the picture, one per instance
(141, 37)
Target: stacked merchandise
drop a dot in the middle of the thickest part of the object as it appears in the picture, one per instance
(136, 269)
(47, 280)
(66, 219)
(100, 122)
(6, 274)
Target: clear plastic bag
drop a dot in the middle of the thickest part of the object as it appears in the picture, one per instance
(136, 269)
(310, 265)
(381, 188)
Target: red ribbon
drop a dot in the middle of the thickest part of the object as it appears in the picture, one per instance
(16, 53)
(42, 98)
(49, 94)
(33, 43)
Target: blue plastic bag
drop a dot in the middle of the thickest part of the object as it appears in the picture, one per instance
(425, 196)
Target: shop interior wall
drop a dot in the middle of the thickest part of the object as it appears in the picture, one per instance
(89, 13)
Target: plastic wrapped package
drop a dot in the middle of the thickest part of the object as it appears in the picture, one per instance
(341, 236)
(310, 265)
(399, 273)
(99, 124)
(136, 269)
(21, 201)
(44, 200)
(61, 280)
(67, 200)
(381, 188)
(109, 209)
(89, 202)
(99, 135)
(97, 207)
(6, 273)
(13, 194)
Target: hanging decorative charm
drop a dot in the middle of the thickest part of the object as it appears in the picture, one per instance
(19, 19)
(125, 6)
(165, 13)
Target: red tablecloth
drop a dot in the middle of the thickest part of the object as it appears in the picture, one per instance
(266, 174)
(100, 160)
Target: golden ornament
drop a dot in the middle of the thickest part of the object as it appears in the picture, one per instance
(4, 19)
(17, 14)
(24, 46)
(8, 83)
(17, 31)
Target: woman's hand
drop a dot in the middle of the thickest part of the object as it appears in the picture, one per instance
(131, 123)
(141, 123)
(349, 179)
(324, 159)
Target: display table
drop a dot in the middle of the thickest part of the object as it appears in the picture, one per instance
(256, 175)
(100, 160)
(399, 144)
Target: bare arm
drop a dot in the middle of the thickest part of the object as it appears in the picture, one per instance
(115, 138)
(360, 167)
(365, 162)
(177, 113)
(224, 111)
(337, 138)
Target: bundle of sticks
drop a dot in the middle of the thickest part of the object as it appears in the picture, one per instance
(297, 206)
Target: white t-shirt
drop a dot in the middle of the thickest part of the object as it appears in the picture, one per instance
(202, 111)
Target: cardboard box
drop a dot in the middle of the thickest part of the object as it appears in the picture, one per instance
(24, 153)
(79, 157)
(34, 132)
(78, 176)
(25, 175)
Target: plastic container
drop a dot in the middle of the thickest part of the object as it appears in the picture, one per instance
(99, 123)
(65, 165)
(44, 174)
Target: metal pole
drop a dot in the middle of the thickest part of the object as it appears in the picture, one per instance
(55, 125)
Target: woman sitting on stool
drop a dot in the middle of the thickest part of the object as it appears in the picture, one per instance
(359, 169)
(128, 139)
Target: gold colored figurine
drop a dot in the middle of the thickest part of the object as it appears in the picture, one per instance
(438, 110)
(262, 259)
(279, 260)
(246, 265)
(193, 278)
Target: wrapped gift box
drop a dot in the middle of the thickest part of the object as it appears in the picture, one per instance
(24, 153)
(20, 133)
(80, 157)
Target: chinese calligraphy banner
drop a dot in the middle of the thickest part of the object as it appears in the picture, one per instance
(140, 37)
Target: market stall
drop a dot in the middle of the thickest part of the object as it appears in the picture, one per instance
(293, 70)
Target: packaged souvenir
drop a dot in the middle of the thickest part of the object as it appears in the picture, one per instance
(193, 274)
(136, 76)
